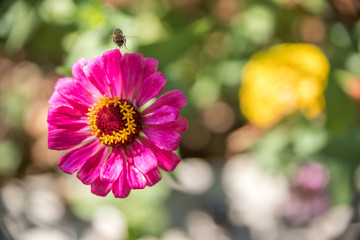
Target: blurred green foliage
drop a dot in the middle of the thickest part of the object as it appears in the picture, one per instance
(137, 209)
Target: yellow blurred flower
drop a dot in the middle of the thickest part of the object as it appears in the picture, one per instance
(282, 80)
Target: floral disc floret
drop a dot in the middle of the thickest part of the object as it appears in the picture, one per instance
(114, 121)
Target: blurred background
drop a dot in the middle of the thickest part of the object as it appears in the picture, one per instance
(273, 146)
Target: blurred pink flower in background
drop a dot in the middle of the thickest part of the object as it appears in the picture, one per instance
(312, 177)
(121, 139)
(308, 196)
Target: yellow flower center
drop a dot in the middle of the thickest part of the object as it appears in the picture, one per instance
(114, 121)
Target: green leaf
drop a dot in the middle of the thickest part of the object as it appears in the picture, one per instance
(341, 110)
(181, 40)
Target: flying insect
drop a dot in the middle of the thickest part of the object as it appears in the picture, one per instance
(119, 38)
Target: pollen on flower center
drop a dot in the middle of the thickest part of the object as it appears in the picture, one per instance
(114, 121)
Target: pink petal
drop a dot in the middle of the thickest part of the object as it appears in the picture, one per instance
(79, 75)
(131, 68)
(64, 113)
(77, 70)
(135, 178)
(142, 157)
(52, 128)
(153, 177)
(75, 94)
(61, 80)
(73, 125)
(164, 138)
(112, 67)
(173, 98)
(57, 100)
(67, 118)
(90, 170)
(150, 66)
(162, 115)
(180, 124)
(100, 188)
(61, 139)
(113, 166)
(167, 160)
(121, 187)
(150, 88)
(74, 159)
(95, 72)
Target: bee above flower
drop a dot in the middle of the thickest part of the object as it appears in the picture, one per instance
(120, 141)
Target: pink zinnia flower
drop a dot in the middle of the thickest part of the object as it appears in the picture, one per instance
(120, 141)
